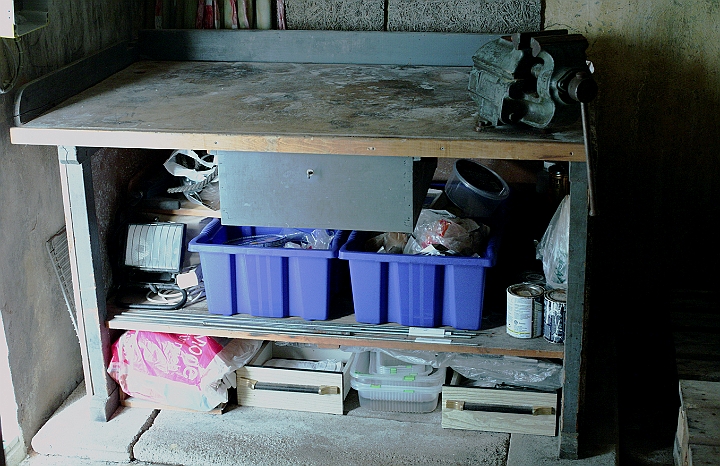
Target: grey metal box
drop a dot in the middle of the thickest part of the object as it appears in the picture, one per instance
(345, 192)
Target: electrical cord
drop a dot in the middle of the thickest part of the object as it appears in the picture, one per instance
(7, 85)
(194, 295)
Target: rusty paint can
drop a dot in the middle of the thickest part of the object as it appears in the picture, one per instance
(525, 310)
(554, 320)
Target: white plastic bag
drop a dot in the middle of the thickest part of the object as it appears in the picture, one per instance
(199, 177)
(554, 245)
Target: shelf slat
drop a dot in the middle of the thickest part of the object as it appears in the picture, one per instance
(199, 322)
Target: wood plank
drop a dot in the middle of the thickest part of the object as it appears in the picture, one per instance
(494, 340)
(703, 455)
(330, 404)
(576, 315)
(88, 285)
(296, 46)
(697, 345)
(292, 108)
(499, 421)
(699, 394)
(703, 425)
(698, 369)
(133, 402)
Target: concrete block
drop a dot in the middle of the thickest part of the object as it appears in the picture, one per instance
(336, 15)
(478, 16)
(543, 451)
(71, 433)
(260, 436)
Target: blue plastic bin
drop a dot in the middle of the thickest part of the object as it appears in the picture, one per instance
(417, 290)
(267, 281)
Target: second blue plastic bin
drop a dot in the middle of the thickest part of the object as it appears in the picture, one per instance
(266, 281)
(417, 290)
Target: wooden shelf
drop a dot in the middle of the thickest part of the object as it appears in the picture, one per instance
(379, 110)
(196, 320)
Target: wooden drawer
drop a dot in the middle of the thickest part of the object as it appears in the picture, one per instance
(495, 410)
(294, 389)
(340, 192)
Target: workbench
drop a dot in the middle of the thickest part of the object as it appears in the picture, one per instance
(291, 92)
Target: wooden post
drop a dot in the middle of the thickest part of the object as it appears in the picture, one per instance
(88, 286)
(573, 384)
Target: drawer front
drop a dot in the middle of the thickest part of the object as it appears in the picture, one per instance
(492, 410)
(344, 192)
(294, 389)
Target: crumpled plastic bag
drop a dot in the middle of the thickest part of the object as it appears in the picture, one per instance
(482, 370)
(491, 371)
(185, 371)
(438, 232)
(553, 248)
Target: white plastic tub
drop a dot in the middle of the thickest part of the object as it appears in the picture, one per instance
(383, 363)
(405, 393)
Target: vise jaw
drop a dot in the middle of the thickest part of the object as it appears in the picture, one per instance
(536, 78)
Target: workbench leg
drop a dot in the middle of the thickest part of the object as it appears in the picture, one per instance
(574, 381)
(88, 285)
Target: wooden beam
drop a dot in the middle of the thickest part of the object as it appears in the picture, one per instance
(89, 288)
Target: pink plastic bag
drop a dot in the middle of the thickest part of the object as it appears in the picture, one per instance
(186, 371)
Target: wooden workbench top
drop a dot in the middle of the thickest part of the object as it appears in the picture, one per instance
(292, 108)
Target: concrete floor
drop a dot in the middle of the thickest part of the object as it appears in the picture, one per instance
(257, 436)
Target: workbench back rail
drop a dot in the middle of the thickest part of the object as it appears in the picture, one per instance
(42, 94)
(322, 47)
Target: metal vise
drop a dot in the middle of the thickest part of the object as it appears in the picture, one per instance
(536, 78)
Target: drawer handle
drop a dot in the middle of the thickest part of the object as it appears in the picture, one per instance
(282, 387)
(310, 172)
(532, 410)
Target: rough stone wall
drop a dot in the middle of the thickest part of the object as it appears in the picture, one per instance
(44, 354)
(481, 16)
(340, 15)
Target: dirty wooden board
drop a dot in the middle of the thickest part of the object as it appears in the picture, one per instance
(284, 107)
(196, 320)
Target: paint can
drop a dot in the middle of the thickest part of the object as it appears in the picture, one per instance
(536, 278)
(525, 310)
(554, 321)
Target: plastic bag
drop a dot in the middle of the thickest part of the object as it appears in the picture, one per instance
(185, 371)
(199, 177)
(495, 371)
(438, 232)
(483, 370)
(554, 245)
(387, 243)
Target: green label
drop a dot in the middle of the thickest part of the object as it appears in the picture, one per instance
(409, 378)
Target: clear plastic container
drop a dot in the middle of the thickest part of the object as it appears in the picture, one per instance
(383, 363)
(397, 399)
(405, 393)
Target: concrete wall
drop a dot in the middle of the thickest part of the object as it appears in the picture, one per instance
(656, 117)
(43, 349)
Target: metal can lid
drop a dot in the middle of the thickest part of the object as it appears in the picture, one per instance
(558, 295)
(533, 277)
(526, 290)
